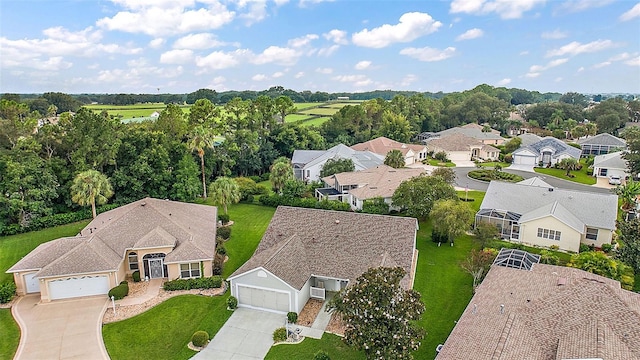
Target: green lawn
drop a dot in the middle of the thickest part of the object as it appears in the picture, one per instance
(434, 162)
(9, 335)
(14, 247)
(315, 121)
(164, 331)
(580, 176)
(332, 344)
(319, 111)
(302, 106)
(297, 117)
(134, 111)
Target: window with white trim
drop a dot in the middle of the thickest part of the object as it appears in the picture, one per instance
(549, 234)
(190, 270)
(592, 234)
(133, 260)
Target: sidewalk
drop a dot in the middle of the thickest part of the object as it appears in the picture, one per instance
(319, 324)
(152, 291)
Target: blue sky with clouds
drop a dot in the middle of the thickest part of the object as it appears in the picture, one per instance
(179, 46)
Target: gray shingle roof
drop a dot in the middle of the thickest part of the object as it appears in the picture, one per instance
(361, 159)
(301, 242)
(528, 139)
(472, 130)
(556, 210)
(587, 317)
(455, 142)
(611, 161)
(145, 223)
(558, 146)
(535, 181)
(603, 139)
(593, 209)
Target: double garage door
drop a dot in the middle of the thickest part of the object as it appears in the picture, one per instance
(73, 287)
(524, 160)
(263, 299)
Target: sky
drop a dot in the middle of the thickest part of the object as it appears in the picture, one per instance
(179, 46)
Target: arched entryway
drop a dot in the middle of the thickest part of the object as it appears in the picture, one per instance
(154, 266)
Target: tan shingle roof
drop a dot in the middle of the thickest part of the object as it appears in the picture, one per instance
(588, 317)
(455, 142)
(302, 242)
(382, 145)
(380, 181)
(149, 222)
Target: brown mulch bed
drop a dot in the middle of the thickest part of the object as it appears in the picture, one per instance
(335, 325)
(309, 312)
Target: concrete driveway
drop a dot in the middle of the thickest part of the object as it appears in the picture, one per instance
(247, 335)
(66, 329)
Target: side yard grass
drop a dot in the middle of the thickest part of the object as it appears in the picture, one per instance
(580, 176)
(434, 162)
(9, 335)
(332, 344)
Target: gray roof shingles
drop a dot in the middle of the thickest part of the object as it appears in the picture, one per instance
(302, 242)
(603, 139)
(558, 146)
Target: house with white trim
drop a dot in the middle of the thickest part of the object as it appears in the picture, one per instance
(307, 164)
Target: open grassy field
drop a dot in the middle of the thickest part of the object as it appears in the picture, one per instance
(297, 117)
(316, 121)
(134, 111)
(319, 111)
(302, 106)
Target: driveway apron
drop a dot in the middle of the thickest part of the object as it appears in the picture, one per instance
(247, 335)
(66, 329)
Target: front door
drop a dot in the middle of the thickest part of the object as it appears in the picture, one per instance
(155, 268)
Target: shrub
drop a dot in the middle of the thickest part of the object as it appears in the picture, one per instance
(439, 237)
(277, 200)
(584, 248)
(554, 247)
(232, 302)
(321, 355)
(508, 158)
(255, 178)
(224, 218)
(292, 316)
(136, 276)
(280, 334)
(120, 291)
(547, 257)
(197, 283)
(441, 156)
(607, 248)
(200, 338)
(7, 292)
(224, 232)
(218, 264)
(250, 198)
(221, 250)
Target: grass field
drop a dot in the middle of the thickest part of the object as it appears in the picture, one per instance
(332, 344)
(134, 111)
(315, 122)
(580, 176)
(319, 111)
(296, 117)
(302, 106)
(435, 162)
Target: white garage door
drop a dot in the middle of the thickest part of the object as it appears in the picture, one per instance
(78, 286)
(524, 160)
(459, 156)
(32, 283)
(263, 299)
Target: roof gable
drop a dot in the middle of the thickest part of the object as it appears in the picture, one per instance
(611, 161)
(603, 139)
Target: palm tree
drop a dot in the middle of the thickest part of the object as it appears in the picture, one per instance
(200, 139)
(395, 159)
(569, 164)
(224, 192)
(281, 171)
(91, 187)
(628, 193)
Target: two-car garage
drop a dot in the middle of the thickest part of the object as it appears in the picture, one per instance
(263, 298)
(72, 287)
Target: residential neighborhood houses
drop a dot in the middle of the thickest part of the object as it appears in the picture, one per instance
(413, 153)
(307, 164)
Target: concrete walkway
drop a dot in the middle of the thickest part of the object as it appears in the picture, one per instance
(319, 324)
(247, 335)
(153, 289)
(63, 329)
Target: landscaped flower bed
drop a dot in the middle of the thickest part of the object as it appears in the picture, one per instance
(488, 175)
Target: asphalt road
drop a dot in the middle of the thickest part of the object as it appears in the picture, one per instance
(463, 180)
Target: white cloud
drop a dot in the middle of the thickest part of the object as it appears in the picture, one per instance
(277, 55)
(554, 35)
(176, 56)
(633, 13)
(362, 65)
(327, 51)
(410, 27)
(302, 41)
(633, 62)
(470, 34)
(504, 82)
(581, 5)
(532, 75)
(356, 80)
(428, 54)
(167, 17)
(156, 43)
(277, 74)
(581, 69)
(408, 80)
(507, 9)
(549, 65)
(524, 52)
(602, 64)
(558, 79)
(575, 48)
(60, 33)
(259, 77)
(218, 60)
(257, 11)
(325, 71)
(299, 75)
(197, 42)
(337, 36)
(620, 57)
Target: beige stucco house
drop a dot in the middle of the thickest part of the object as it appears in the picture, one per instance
(460, 147)
(534, 213)
(159, 238)
(382, 146)
(306, 253)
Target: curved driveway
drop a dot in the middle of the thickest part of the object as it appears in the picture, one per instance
(67, 329)
(463, 180)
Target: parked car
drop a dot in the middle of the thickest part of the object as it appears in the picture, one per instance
(615, 180)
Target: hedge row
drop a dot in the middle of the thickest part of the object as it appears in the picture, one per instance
(53, 220)
(312, 203)
(7, 292)
(198, 283)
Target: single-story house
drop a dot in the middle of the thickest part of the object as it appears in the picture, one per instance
(381, 145)
(476, 131)
(159, 238)
(547, 312)
(305, 253)
(307, 164)
(610, 164)
(601, 144)
(545, 216)
(547, 151)
(460, 147)
(357, 186)
(528, 139)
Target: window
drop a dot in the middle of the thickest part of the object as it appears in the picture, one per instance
(191, 270)
(592, 234)
(133, 261)
(549, 234)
